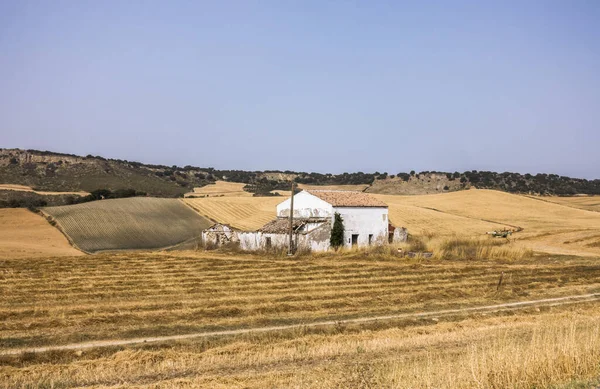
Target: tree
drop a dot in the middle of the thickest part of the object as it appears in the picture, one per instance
(337, 232)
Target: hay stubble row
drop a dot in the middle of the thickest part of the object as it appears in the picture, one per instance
(119, 296)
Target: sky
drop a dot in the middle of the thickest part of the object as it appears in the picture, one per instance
(323, 86)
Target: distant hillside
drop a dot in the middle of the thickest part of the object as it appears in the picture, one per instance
(49, 171)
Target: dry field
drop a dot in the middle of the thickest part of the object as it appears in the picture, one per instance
(24, 234)
(221, 188)
(246, 213)
(589, 203)
(117, 296)
(131, 223)
(24, 188)
(547, 226)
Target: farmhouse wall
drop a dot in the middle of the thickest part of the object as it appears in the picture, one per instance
(400, 235)
(219, 234)
(363, 221)
(306, 206)
(315, 240)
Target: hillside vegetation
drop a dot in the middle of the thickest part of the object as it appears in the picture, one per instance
(132, 223)
(49, 171)
(24, 234)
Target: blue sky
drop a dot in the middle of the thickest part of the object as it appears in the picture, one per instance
(321, 86)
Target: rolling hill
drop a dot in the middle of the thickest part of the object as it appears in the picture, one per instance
(132, 223)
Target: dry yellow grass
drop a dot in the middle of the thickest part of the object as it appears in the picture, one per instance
(245, 213)
(547, 226)
(221, 188)
(24, 234)
(136, 294)
(358, 188)
(500, 207)
(588, 203)
(24, 188)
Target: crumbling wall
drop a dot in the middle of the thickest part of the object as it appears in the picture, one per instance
(219, 235)
(400, 235)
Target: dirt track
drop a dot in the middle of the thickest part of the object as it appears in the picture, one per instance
(485, 308)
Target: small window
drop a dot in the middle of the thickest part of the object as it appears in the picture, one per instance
(384, 217)
(370, 239)
(268, 242)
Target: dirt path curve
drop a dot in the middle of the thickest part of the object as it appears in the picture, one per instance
(485, 308)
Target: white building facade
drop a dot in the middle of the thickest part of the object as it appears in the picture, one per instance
(365, 217)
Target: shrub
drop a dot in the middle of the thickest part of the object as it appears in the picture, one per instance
(337, 232)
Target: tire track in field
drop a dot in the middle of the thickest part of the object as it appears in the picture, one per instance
(548, 302)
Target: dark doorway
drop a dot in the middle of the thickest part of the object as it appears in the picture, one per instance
(370, 239)
(268, 243)
(354, 239)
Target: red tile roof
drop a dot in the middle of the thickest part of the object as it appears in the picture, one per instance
(345, 198)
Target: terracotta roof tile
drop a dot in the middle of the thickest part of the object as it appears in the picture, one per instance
(344, 198)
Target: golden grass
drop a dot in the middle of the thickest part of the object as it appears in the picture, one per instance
(127, 295)
(24, 234)
(358, 188)
(24, 188)
(520, 357)
(503, 208)
(131, 223)
(245, 213)
(221, 188)
(588, 203)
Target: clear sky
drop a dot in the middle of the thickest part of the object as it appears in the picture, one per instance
(322, 86)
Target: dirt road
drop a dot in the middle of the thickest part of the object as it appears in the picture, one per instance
(480, 309)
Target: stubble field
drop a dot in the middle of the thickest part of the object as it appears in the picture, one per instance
(58, 301)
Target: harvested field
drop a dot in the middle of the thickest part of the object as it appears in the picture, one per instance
(245, 213)
(588, 203)
(466, 213)
(24, 188)
(115, 296)
(24, 234)
(358, 188)
(131, 223)
(547, 225)
(221, 188)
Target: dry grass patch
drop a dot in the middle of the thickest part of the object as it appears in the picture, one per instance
(245, 213)
(133, 294)
(221, 188)
(588, 203)
(24, 188)
(24, 234)
(524, 350)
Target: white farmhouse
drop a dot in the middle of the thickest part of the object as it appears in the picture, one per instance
(365, 222)
(365, 217)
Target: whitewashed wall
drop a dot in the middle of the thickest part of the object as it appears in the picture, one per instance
(315, 240)
(364, 221)
(305, 206)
